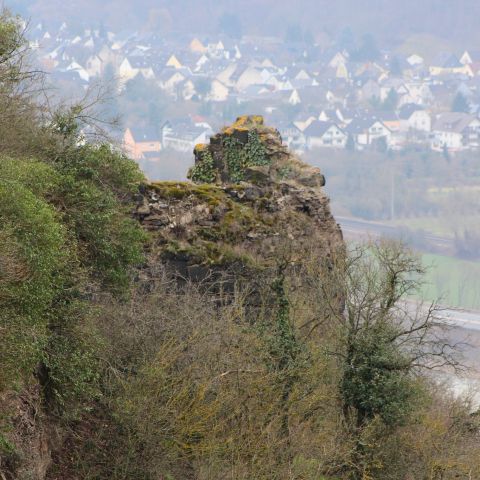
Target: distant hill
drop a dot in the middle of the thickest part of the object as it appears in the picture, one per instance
(389, 21)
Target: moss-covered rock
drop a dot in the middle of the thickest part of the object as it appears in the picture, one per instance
(244, 148)
(251, 201)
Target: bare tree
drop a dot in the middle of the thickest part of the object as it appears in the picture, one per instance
(384, 338)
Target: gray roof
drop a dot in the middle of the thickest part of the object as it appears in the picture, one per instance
(361, 124)
(318, 128)
(147, 134)
(453, 122)
(408, 110)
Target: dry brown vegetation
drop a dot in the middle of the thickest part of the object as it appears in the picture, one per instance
(203, 386)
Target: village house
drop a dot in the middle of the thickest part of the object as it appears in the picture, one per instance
(94, 66)
(414, 117)
(292, 136)
(249, 76)
(140, 141)
(303, 121)
(455, 132)
(79, 70)
(126, 71)
(316, 89)
(173, 62)
(367, 130)
(218, 91)
(197, 46)
(388, 118)
(183, 137)
(170, 79)
(395, 84)
(449, 65)
(325, 134)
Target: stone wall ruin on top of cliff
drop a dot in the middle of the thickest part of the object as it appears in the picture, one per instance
(250, 201)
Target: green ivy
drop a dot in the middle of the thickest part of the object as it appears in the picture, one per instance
(240, 156)
(255, 150)
(234, 158)
(204, 170)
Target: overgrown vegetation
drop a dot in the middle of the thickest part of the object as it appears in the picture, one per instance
(312, 368)
(65, 237)
(204, 170)
(282, 384)
(240, 156)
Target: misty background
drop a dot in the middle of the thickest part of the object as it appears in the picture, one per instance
(392, 22)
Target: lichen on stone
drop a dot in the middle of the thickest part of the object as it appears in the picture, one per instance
(250, 151)
(249, 195)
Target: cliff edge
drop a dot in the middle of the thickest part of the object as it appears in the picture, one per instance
(250, 203)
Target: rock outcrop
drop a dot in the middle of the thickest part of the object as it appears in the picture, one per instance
(251, 202)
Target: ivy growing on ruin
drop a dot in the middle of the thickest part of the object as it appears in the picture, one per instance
(234, 158)
(204, 170)
(255, 150)
(239, 156)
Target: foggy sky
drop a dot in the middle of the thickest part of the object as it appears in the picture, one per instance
(388, 20)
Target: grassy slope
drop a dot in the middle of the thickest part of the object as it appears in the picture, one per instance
(456, 282)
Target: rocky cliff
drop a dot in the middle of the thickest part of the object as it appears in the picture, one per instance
(251, 207)
(251, 204)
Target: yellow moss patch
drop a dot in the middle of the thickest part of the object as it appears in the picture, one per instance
(248, 120)
(257, 119)
(200, 147)
(209, 193)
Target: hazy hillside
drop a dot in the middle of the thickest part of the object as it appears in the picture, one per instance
(456, 21)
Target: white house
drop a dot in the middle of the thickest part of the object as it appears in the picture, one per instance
(188, 90)
(77, 68)
(368, 130)
(203, 60)
(292, 136)
(325, 134)
(456, 131)
(303, 122)
(294, 98)
(183, 138)
(170, 79)
(225, 76)
(126, 71)
(173, 62)
(339, 59)
(302, 75)
(250, 76)
(414, 117)
(94, 66)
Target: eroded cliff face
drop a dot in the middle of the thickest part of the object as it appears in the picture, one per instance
(250, 205)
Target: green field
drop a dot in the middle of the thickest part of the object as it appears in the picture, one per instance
(453, 282)
(444, 226)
